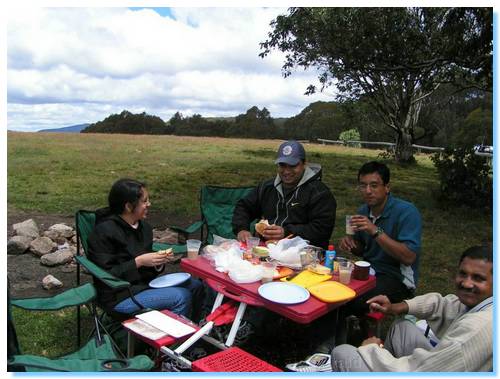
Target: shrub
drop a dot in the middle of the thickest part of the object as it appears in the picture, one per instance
(465, 178)
(350, 135)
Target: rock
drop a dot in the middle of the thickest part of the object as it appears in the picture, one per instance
(57, 258)
(42, 245)
(27, 228)
(166, 236)
(18, 245)
(56, 237)
(50, 282)
(62, 230)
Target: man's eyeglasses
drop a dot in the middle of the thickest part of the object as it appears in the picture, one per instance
(373, 186)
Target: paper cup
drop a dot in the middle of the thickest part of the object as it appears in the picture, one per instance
(193, 247)
(361, 270)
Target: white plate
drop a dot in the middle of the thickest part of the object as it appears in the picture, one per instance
(170, 280)
(372, 271)
(284, 293)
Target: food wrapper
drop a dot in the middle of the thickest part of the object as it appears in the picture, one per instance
(287, 251)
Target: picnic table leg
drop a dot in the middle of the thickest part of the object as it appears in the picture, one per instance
(236, 324)
(218, 301)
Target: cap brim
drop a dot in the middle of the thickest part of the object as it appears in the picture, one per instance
(287, 160)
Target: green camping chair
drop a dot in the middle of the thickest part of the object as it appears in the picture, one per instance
(217, 207)
(85, 222)
(98, 354)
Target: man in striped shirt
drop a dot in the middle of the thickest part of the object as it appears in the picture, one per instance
(463, 323)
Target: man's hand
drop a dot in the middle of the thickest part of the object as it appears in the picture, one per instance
(375, 340)
(243, 235)
(347, 243)
(363, 223)
(381, 303)
(273, 232)
(151, 259)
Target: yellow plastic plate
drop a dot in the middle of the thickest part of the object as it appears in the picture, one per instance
(307, 278)
(332, 292)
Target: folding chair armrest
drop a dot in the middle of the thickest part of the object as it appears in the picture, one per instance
(104, 276)
(72, 297)
(190, 229)
(177, 249)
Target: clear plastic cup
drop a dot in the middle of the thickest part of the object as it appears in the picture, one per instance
(345, 270)
(193, 248)
(252, 242)
(268, 271)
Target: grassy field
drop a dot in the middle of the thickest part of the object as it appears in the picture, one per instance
(61, 173)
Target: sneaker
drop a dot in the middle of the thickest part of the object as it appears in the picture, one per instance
(173, 365)
(245, 331)
(318, 362)
(196, 353)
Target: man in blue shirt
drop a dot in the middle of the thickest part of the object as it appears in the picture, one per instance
(387, 234)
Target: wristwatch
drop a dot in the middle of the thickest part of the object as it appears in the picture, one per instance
(378, 232)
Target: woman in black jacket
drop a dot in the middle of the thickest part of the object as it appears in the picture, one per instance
(121, 243)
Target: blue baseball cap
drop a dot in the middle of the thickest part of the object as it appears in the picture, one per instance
(291, 153)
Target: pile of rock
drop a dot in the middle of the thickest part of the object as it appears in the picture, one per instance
(56, 246)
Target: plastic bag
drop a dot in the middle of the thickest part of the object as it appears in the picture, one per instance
(244, 272)
(286, 251)
(221, 253)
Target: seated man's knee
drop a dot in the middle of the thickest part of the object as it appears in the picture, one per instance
(345, 358)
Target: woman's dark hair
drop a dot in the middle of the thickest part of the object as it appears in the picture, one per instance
(122, 192)
(379, 168)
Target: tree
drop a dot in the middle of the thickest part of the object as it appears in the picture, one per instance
(394, 57)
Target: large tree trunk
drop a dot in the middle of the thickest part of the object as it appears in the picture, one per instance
(404, 150)
(404, 140)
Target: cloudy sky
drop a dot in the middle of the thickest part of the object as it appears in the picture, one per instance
(68, 66)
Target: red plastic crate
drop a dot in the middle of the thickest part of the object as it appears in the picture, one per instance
(232, 360)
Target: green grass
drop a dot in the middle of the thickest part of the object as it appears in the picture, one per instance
(61, 173)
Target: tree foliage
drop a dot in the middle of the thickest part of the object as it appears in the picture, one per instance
(129, 123)
(393, 57)
(466, 179)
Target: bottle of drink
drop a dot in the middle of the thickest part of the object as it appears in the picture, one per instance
(330, 255)
(355, 334)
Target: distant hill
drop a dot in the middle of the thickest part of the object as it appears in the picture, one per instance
(67, 129)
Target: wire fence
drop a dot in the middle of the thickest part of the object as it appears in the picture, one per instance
(389, 145)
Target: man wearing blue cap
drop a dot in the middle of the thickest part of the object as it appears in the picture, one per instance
(295, 202)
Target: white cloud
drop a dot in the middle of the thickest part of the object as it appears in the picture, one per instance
(75, 65)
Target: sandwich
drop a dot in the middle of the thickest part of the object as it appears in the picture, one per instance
(165, 252)
(261, 226)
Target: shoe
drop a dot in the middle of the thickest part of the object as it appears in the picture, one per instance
(245, 331)
(173, 365)
(318, 362)
(196, 353)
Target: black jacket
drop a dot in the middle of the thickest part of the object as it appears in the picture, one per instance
(113, 246)
(307, 211)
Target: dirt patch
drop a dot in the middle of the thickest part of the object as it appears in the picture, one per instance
(25, 272)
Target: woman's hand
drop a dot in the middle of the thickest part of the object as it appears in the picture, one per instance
(152, 259)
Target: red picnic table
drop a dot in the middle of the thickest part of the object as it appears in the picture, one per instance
(303, 313)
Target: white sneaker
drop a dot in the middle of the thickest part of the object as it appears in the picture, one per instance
(318, 362)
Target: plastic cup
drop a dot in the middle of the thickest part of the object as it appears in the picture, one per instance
(252, 242)
(361, 270)
(349, 230)
(268, 271)
(345, 269)
(193, 247)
